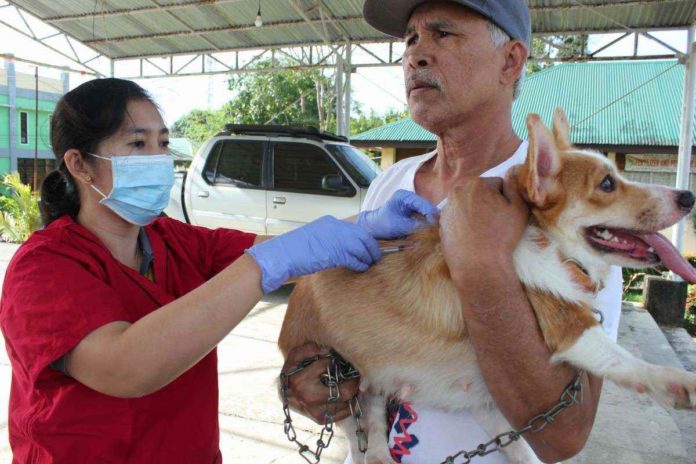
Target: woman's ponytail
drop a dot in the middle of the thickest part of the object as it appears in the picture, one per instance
(59, 196)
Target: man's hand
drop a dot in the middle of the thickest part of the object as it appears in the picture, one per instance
(307, 395)
(482, 224)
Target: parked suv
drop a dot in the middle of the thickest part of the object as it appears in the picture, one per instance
(271, 179)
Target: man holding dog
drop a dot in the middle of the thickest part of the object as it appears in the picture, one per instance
(463, 65)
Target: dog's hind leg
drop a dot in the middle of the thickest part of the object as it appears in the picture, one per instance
(350, 430)
(374, 409)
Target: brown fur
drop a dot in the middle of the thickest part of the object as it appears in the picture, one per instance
(412, 291)
(561, 324)
(401, 290)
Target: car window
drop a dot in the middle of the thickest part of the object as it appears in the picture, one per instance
(301, 168)
(360, 167)
(237, 162)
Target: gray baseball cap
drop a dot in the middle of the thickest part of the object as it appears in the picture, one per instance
(391, 16)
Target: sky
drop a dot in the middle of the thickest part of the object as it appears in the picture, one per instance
(374, 89)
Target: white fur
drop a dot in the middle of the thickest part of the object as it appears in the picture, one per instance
(597, 353)
(541, 268)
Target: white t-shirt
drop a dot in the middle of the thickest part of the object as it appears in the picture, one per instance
(425, 435)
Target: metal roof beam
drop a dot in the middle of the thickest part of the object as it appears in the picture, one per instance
(198, 3)
(144, 9)
(32, 36)
(8, 56)
(666, 45)
(245, 27)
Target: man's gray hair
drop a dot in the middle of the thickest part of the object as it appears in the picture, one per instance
(499, 38)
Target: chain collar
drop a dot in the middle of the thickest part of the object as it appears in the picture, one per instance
(571, 395)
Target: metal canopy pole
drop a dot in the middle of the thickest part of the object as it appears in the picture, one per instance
(339, 94)
(687, 134)
(347, 99)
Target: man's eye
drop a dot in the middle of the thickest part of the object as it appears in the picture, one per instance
(411, 40)
(138, 144)
(165, 143)
(443, 33)
(608, 184)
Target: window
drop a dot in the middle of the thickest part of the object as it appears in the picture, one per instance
(24, 127)
(302, 168)
(235, 163)
(361, 168)
(25, 166)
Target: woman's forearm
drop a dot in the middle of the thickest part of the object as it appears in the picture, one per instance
(132, 360)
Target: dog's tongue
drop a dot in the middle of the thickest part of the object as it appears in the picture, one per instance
(671, 257)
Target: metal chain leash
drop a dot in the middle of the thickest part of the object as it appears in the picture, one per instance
(570, 396)
(338, 371)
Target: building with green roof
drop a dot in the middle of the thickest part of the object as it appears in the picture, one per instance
(629, 110)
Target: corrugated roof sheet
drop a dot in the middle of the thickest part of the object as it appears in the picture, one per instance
(607, 103)
(135, 28)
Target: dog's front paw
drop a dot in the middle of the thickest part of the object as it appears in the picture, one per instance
(668, 386)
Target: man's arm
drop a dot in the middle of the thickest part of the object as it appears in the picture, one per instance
(480, 230)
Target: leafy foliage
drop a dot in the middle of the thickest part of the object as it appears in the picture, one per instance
(198, 125)
(296, 97)
(556, 47)
(289, 97)
(690, 314)
(19, 211)
(362, 121)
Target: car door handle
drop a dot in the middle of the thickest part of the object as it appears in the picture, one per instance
(203, 194)
(279, 200)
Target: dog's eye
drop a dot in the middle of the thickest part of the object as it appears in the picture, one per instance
(608, 185)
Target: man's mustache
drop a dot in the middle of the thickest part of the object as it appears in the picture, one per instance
(422, 78)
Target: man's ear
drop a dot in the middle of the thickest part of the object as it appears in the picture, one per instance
(561, 129)
(515, 58)
(543, 162)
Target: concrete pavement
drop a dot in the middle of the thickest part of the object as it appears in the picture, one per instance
(630, 428)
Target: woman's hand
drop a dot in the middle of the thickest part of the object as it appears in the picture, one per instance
(307, 395)
(322, 244)
(395, 219)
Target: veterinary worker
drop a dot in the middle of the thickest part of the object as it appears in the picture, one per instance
(463, 66)
(111, 316)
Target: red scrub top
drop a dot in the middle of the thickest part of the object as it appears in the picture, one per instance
(62, 284)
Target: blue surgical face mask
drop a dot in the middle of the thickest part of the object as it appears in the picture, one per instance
(141, 186)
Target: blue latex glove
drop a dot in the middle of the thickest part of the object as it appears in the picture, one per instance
(322, 244)
(393, 219)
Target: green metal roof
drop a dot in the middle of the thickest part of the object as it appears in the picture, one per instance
(607, 103)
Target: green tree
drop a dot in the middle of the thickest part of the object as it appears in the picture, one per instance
(560, 47)
(198, 126)
(289, 97)
(362, 121)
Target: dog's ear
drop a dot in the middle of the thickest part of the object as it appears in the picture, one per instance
(561, 129)
(540, 172)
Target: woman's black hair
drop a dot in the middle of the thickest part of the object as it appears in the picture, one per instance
(83, 118)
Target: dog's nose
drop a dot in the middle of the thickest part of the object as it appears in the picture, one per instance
(685, 199)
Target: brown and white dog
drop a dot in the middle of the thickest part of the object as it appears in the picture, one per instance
(581, 208)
